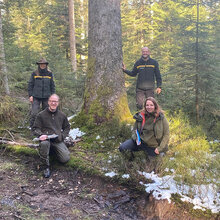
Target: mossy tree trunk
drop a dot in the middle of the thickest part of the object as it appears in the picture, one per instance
(105, 95)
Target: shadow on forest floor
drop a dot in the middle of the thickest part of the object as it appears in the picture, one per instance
(67, 194)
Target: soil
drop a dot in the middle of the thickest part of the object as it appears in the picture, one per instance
(67, 194)
(71, 195)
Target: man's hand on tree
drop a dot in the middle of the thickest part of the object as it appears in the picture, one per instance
(158, 90)
(123, 67)
(31, 99)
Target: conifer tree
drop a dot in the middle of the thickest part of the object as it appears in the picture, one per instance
(105, 95)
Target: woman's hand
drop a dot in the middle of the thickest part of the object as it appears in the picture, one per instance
(157, 151)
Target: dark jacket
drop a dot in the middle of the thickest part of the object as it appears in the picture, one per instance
(155, 131)
(41, 85)
(48, 122)
(147, 72)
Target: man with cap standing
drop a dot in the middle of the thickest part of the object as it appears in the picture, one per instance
(40, 87)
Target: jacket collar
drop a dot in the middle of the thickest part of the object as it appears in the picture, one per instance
(139, 116)
(48, 110)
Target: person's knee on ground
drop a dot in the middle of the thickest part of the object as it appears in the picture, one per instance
(64, 159)
(127, 149)
(62, 152)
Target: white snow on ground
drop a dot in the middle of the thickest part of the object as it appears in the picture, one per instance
(98, 137)
(125, 176)
(76, 133)
(111, 174)
(204, 196)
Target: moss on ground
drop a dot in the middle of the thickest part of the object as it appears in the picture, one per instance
(98, 154)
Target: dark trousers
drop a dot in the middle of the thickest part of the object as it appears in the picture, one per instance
(141, 96)
(36, 108)
(60, 149)
(131, 145)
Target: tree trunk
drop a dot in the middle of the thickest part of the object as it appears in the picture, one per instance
(197, 64)
(72, 35)
(84, 28)
(105, 96)
(3, 68)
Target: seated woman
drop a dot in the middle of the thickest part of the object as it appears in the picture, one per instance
(151, 131)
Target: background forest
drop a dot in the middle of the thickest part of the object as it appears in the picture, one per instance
(184, 36)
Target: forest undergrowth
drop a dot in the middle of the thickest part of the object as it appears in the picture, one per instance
(191, 158)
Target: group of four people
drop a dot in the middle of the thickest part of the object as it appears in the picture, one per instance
(151, 129)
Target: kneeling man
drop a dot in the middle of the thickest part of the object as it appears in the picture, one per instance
(52, 121)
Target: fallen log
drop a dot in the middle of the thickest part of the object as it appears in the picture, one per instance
(10, 142)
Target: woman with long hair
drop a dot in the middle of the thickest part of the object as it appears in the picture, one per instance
(150, 132)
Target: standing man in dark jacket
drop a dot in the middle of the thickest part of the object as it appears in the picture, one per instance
(48, 122)
(40, 87)
(147, 70)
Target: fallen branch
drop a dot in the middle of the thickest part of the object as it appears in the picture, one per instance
(10, 142)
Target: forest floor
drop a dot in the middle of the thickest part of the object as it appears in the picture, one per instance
(67, 194)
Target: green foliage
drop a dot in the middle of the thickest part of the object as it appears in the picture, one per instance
(11, 111)
(168, 28)
(190, 153)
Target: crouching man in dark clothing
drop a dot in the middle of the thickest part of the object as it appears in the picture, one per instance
(52, 121)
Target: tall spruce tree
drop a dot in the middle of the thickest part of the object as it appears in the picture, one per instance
(105, 96)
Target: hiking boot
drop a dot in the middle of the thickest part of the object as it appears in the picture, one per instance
(47, 172)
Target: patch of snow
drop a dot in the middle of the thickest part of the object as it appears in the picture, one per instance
(104, 168)
(125, 176)
(74, 133)
(166, 169)
(111, 174)
(203, 196)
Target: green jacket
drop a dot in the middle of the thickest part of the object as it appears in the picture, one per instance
(154, 132)
(48, 123)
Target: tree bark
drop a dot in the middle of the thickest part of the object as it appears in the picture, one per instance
(105, 95)
(72, 35)
(197, 64)
(3, 68)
